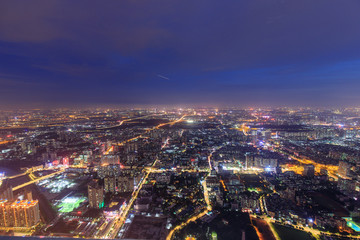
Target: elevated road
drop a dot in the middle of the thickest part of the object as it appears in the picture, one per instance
(37, 179)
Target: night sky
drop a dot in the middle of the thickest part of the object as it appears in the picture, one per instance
(235, 53)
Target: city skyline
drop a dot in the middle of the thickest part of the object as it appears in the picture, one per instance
(263, 53)
(180, 173)
(180, 120)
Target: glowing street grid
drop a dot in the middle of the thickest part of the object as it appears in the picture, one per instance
(70, 203)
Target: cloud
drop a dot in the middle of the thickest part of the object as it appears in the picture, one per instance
(88, 48)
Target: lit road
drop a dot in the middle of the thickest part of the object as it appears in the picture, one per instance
(126, 120)
(196, 217)
(38, 179)
(6, 142)
(209, 160)
(263, 204)
(120, 220)
(315, 232)
(15, 176)
(151, 129)
(201, 214)
(28, 171)
(268, 221)
(155, 170)
(261, 229)
(244, 129)
(115, 226)
(332, 170)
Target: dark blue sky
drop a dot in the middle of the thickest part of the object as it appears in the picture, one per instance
(245, 53)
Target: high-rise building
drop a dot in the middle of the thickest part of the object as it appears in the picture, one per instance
(110, 184)
(26, 213)
(131, 147)
(109, 170)
(110, 159)
(5, 210)
(346, 185)
(122, 183)
(125, 184)
(6, 191)
(260, 161)
(344, 169)
(23, 213)
(95, 195)
(309, 170)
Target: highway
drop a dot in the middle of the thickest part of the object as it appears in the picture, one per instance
(18, 175)
(37, 179)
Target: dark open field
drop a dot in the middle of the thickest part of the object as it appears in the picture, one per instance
(288, 233)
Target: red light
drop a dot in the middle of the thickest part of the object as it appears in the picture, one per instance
(9, 136)
(65, 161)
(79, 212)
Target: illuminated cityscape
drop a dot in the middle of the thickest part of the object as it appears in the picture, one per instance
(180, 120)
(181, 173)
